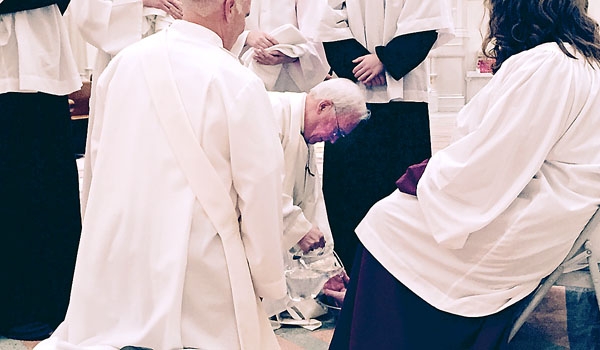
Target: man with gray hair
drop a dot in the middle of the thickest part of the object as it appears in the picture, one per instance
(329, 111)
(184, 210)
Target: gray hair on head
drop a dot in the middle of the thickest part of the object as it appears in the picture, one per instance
(347, 97)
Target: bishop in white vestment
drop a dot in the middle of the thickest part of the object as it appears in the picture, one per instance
(154, 271)
(304, 119)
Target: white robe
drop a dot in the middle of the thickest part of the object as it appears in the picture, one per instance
(376, 23)
(35, 54)
(311, 67)
(303, 204)
(499, 208)
(110, 26)
(151, 269)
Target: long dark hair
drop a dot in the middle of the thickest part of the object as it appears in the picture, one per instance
(519, 25)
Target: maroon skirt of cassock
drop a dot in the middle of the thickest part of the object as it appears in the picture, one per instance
(379, 312)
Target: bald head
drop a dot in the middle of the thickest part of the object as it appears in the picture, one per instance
(202, 7)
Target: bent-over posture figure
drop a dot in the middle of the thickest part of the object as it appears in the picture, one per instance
(330, 111)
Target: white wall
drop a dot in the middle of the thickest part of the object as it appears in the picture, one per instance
(447, 70)
(594, 9)
(451, 64)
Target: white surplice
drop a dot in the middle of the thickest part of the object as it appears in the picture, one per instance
(303, 204)
(151, 269)
(311, 67)
(376, 23)
(35, 54)
(112, 25)
(499, 208)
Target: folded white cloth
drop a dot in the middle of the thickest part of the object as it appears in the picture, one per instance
(290, 40)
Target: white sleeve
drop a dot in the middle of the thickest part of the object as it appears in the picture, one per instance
(333, 22)
(518, 117)
(295, 224)
(109, 25)
(424, 15)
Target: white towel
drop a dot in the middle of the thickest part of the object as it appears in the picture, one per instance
(289, 38)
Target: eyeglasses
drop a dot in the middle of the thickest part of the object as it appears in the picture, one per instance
(338, 132)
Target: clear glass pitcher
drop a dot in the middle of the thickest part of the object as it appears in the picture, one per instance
(306, 273)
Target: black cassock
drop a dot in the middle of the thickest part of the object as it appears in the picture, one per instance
(40, 221)
(362, 168)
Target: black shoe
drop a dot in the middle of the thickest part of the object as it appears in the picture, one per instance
(29, 331)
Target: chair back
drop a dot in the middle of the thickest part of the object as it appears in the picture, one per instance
(580, 268)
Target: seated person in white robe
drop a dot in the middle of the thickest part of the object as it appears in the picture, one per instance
(498, 209)
(279, 44)
(331, 110)
(158, 267)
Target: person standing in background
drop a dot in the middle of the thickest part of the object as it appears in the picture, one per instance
(110, 26)
(381, 45)
(39, 210)
(279, 44)
(182, 234)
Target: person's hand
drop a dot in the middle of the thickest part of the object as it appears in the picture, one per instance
(379, 80)
(313, 239)
(171, 7)
(368, 67)
(260, 40)
(271, 58)
(335, 287)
